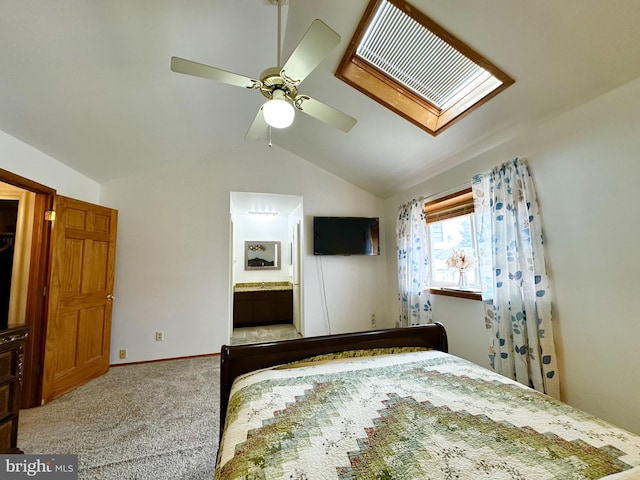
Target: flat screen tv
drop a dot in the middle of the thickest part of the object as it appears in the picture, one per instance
(346, 236)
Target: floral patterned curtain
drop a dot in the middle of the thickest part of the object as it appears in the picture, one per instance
(515, 285)
(413, 265)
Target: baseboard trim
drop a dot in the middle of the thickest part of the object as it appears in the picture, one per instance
(164, 359)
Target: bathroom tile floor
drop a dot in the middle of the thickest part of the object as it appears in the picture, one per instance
(265, 333)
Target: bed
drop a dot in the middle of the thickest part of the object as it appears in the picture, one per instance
(393, 404)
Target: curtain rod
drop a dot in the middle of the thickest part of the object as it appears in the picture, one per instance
(435, 196)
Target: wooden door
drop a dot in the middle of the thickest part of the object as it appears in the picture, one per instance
(78, 327)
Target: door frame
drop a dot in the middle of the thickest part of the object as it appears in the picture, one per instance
(36, 304)
(292, 258)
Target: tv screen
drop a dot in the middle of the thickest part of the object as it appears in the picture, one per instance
(346, 236)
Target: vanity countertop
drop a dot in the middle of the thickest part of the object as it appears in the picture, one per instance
(261, 286)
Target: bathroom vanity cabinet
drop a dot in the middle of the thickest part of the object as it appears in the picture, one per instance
(262, 305)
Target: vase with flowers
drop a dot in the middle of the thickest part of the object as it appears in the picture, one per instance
(462, 261)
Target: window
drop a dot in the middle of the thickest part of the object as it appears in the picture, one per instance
(451, 229)
(404, 60)
(436, 233)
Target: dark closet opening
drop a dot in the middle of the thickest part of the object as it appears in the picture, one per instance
(8, 220)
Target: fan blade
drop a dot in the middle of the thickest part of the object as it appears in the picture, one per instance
(316, 44)
(180, 65)
(258, 127)
(325, 113)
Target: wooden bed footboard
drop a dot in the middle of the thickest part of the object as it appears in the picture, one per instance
(239, 359)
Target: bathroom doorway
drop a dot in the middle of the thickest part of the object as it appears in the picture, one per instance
(266, 302)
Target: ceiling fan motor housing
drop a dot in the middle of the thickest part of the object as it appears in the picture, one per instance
(272, 80)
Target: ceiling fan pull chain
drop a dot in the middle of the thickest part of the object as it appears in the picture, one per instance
(270, 144)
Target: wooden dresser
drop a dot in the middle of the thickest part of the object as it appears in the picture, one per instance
(12, 341)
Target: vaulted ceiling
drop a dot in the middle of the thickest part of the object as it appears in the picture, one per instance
(89, 83)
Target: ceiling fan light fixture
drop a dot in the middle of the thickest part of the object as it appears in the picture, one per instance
(278, 112)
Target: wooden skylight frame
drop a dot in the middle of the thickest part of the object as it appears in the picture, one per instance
(395, 95)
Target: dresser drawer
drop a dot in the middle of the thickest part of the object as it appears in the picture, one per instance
(6, 364)
(5, 400)
(7, 428)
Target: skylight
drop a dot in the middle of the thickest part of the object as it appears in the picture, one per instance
(423, 62)
(398, 50)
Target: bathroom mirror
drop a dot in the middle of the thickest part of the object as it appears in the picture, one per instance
(262, 255)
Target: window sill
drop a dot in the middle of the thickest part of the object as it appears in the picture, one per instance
(449, 292)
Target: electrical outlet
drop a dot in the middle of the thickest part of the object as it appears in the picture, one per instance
(373, 320)
(123, 354)
(160, 336)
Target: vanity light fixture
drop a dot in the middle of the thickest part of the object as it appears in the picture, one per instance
(264, 213)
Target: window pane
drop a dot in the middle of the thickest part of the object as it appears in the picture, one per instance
(445, 237)
(436, 232)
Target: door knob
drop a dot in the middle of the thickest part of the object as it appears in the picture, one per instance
(110, 297)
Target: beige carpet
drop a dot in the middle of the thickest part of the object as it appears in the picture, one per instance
(150, 421)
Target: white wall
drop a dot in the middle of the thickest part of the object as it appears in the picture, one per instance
(463, 319)
(261, 228)
(172, 263)
(24, 160)
(586, 169)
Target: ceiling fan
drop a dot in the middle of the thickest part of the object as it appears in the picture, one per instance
(280, 84)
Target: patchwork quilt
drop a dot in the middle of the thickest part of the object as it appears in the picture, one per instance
(416, 415)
